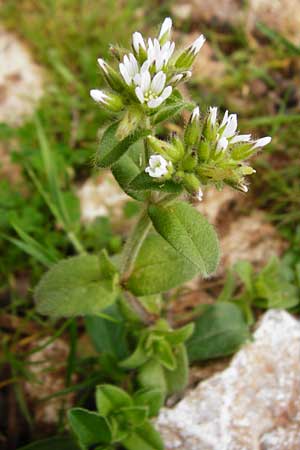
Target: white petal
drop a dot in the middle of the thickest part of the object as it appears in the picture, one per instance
(197, 44)
(225, 119)
(195, 114)
(138, 41)
(145, 80)
(99, 96)
(231, 126)
(125, 73)
(166, 93)
(139, 94)
(240, 138)
(102, 64)
(213, 111)
(262, 142)
(200, 195)
(134, 68)
(155, 102)
(158, 83)
(222, 144)
(166, 27)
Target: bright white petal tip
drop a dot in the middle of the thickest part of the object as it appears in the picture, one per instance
(138, 41)
(98, 96)
(102, 64)
(213, 111)
(195, 114)
(244, 188)
(166, 27)
(262, 142)
(197, 44)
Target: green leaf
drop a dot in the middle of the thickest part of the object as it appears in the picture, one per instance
(73, 287)
(89, 427)
(245, 271)
(110, 399)
(159, 268)
(136, 359)
(169, 111)
(164, 354)
(189, 233)
(219, 331)
(57, 443)
(272, 290)
(111, 150)
(144, 438)
(151, 375)
(108, 336)
(177, 379)
(179, 335)
(143, 182)
(127, 168)
(135, 415)
(152, 398)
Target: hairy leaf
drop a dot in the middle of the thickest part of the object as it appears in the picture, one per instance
(219, 331)
(189, 233)
(75, 287)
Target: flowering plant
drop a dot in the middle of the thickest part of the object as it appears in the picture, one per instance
(170, 244)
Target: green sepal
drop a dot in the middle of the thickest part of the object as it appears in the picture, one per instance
(137, 358)
(110, 398)
(169, 111)
(179, 335)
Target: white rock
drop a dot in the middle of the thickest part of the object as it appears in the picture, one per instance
(21, 83)
(252, 405)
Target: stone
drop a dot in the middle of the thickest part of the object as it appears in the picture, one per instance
(102, 197)
(251, 405)
(21, 80)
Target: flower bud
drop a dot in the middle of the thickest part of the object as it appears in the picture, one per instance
(165, 31)
(189, 162)
(112, 102)
(139, 47)
(191, 183)
(179, 146)
(204, 150)
(111, 76)
(180, 77)
(188, 56)
(167, 150)
(192, 131)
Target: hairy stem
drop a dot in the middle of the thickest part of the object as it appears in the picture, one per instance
(134, 243)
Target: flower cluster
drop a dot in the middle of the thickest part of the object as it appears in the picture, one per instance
(212, 151)
(147, 75)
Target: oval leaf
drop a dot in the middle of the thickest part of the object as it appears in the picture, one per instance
(189, 233)
(75, 287)
(159, 268)
(219, 331)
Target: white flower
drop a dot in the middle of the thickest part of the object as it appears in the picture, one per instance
(240, 138)
(229, 125)
(129, 68)
(158, 166)
(152, 92)
(197, 44)
(195, 114)
(165, 28)
(158, 55)
(138, 41)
